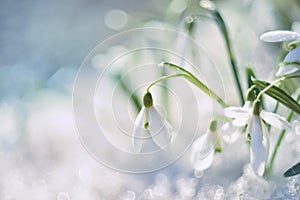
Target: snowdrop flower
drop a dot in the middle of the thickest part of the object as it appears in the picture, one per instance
(204, 148)
(211, 142)
(150, 122)
(291, 62)
(258, 132)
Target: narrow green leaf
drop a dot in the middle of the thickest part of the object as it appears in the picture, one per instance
(294, 170)
(250, 76)
(125, 87)
(191, 78)
(278, 94)
(233, 61)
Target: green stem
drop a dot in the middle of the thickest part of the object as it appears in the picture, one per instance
(162, 79)
(276, 107)
(224, 31)
(190, 77)
(274, 83)
(279, 140)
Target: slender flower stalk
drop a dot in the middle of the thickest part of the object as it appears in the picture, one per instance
(162, 79)
(191, 78)
(278, 94)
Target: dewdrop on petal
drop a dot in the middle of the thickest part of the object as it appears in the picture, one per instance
(151, 122)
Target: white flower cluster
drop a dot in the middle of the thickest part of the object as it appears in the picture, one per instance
(250, 116)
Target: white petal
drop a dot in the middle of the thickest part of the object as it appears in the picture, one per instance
(293, 56)
(296, 127)
(266, 140)
(160, 129)
(257, 150)
(138, 131)
(287, 70)
(199, 143)
(202, 153)
(279, 36)
(236, 112)
(241, 121)
(230, 133)
(241, 115)
(202, 163)
(275, 120)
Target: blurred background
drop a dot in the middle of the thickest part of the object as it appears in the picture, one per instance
(43, 44)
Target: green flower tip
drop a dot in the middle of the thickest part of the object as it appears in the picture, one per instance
(292, 45)
(283, 64)
(218, 150)
(147, 100)
(146, 125)
(213, 126)
(256, 107)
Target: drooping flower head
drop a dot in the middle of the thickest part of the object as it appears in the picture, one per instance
(291, 62)
(150, 122)
(207, 145)
(259, 136)
(204, 147)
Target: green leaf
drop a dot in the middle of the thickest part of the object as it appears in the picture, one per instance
(278, 94)
(294, 170)
(289, 86)
(191, 78)
(250, 76)
(125, 87)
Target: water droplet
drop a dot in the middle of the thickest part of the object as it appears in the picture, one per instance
(290, 137)
(192, 182)
(63, 196)
(116, 19)
(219, 194)
(198, 173)
(189, 19)
(297, 128)
(148, 194)
(161, 179)
(129, 195)
(180, 181)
